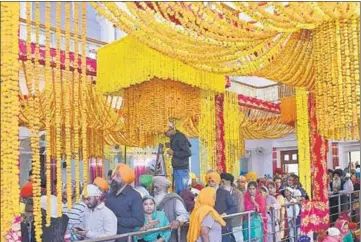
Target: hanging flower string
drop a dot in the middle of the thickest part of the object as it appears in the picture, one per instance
(9, 114)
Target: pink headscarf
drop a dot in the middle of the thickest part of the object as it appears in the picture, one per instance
(339, 224)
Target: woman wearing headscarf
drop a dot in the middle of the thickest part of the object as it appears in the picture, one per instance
(282, 212)
(153, 219)
(254, 201)
(205, 222)
(346, 235)
(273, 208)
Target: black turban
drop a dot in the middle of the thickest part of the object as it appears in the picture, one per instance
(338, 172)
(227, 177)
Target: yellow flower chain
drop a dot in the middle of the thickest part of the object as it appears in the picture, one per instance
(58, 112)
(9, 115)
(83, 106)
(224, 48)
(67, 95)
(34, 128)
(149, 106)
(48, 119)
(207, 132)
(112, 76)
(336, 75)
(303, 138)
(76, 101)
(234, 145)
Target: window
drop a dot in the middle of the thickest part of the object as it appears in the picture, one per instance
(289, 161)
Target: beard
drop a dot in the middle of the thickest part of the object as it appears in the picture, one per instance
(116, 186)
(159, 197)
(336, 184)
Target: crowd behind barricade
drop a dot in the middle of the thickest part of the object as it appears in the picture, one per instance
(199, 212)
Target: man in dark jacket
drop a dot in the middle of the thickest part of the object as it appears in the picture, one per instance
(225, 204)
(124, 201)
(180, 152)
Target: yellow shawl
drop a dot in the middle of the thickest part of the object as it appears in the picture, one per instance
(204, 206)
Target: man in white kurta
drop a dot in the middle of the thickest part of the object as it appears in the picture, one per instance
(99, 220)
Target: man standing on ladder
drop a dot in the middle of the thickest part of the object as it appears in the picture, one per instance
(180, 150)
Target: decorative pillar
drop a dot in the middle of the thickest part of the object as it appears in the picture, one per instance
(220, 148)
(315, 213)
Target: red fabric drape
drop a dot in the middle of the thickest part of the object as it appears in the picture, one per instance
(220, 148)
(315, 213)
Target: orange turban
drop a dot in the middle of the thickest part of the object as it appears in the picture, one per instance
(101, 183)
(251, 176)
(125, 172)
(27, 190)
(213, 176)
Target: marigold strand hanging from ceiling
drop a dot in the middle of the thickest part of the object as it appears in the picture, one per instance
(9, 114)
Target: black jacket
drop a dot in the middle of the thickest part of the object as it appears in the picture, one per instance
(181, 151)
(54, 233)
(128, 208)
(224, 202)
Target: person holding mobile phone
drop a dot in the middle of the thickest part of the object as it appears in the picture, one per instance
(99, 221)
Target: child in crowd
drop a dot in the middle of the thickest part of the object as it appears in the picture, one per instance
(333, 235)
(345, 232)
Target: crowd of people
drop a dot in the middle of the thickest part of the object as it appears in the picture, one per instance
(188, 211)
(114, 206)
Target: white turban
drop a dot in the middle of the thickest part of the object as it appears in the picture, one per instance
(333, 231)
(53, 205)
(93, 191)
(161, 181)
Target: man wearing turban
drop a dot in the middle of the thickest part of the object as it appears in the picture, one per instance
(124, 201)
(99, 221)
(224, 203)
(237, 196)
(172, 205)
(145, 181)
(242, 184)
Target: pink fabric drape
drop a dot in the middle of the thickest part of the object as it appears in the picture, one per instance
(138, 170)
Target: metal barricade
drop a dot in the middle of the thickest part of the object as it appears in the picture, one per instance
(347, 203)
(291, 234)
(130, 236)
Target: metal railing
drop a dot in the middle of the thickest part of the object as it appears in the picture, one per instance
(291, 233)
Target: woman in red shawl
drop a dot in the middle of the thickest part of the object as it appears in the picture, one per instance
(253, 200)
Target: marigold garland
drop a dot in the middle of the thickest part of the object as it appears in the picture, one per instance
(234, 142)
(76, 102)
(207, 132)
(34, 128)
(67, 95)
(83, 91)
(58, 111)
(112, 75)
(303, 138)
(9, 115)
(149, 106)
(48, 119)
(337, 74)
